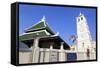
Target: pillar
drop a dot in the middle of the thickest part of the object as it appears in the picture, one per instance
(35, 51)
(61, 47)
(51, 47)
(61, 52)
(50, 52)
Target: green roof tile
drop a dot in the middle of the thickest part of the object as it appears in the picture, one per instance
(40, 26)
(32, 31)
(28, 36)
(36, 27)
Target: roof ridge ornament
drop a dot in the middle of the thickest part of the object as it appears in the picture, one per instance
(43, 18)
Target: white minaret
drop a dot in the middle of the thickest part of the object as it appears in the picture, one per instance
(83, 33)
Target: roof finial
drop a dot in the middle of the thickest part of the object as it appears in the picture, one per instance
(43, 18)
(80, 13)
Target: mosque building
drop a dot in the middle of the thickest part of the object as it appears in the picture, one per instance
(40, 44)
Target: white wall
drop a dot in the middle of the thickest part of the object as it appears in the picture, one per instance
(25, 57)
(5, 34)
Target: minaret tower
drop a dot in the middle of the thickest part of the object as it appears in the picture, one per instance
(83, 33)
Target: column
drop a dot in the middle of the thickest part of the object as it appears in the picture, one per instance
(35, 51)
(61, 47)
(50, 53)
(61, 52)
(51, 47)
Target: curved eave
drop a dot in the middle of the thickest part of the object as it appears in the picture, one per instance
(29, 36)
(44, 28)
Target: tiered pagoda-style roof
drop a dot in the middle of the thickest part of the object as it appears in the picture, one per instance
(38, 30)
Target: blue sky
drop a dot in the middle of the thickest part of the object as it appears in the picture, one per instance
(60, 19)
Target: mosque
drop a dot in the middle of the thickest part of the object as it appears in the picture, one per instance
(39, 44)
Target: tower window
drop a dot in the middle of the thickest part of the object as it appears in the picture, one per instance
(81, 18)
